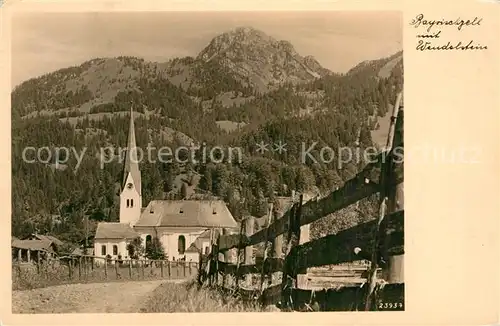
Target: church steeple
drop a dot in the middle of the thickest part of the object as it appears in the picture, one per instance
(131, 158)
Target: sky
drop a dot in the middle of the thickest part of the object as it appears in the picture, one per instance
(45, 42)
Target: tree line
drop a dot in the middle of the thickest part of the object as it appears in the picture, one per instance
(48, 199)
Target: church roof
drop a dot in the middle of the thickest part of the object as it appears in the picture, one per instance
(108, 230)
(187, 213)
(131, 159)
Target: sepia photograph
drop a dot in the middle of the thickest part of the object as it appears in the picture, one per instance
(178, 162)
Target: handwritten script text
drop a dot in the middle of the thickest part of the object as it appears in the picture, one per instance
(432, 31)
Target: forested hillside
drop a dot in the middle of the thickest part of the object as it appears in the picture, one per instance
(181, 102)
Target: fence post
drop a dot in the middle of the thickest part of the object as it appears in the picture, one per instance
(45, 268)
(116, 269)
(70, 268)
(263, 274)
(386, 178)
(38, 262)
(215, 275)
(221, 257)
(200, 269)
(105, 268)
(302, 274)
(277, 254)
(130, 268)
(85, 267)
(226, 281)
(238, 254)
(142, 267)
(232, 258)
(161, 267)
(293, 237)
(80, 268)
(84, 270)
(169, 270)
(212, 258)
(249, 229)
(394, 270)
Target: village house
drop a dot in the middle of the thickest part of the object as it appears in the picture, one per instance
(34, 248)
(178, 224)
(51, 241)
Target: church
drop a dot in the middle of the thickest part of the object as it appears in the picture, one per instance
(182, 226)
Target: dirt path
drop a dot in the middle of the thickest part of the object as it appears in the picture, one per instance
(114, 297)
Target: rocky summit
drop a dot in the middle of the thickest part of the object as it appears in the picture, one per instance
(260, 59)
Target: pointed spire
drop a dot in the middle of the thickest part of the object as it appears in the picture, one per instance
(131, 158)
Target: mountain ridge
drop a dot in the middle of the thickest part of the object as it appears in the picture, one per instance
(249, 60)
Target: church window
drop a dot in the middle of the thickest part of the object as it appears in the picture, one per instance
(128, 203)
(115, 250)
(148, 241)
(131, 203)
(181, 245)
(103, 250)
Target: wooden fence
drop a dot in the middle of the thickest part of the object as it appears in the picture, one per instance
(86, 268)
(281, 277)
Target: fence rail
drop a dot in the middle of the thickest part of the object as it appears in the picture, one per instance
(381, 241)
(363, 185)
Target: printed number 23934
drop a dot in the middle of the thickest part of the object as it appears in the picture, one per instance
(390, 305)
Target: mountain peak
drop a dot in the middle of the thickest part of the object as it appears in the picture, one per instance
(247, 31)
(238, 40)
(260, 59)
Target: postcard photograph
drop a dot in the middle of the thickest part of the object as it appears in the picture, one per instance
(207, 162)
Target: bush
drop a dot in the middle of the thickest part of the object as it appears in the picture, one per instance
(154, 250)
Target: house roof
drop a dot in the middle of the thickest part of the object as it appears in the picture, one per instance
(107, 230)
(43, 245)
(79, 251)
(193, 248)
(49, 238)
(204, 235)
(189, 213)
(88, 241)
(284, 204)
